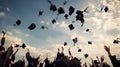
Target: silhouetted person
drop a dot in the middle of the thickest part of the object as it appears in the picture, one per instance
(58, 55)
(8, 54)
(32, 62)
(115, 62)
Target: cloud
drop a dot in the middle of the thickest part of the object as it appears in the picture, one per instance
(20, 32)
(2, 14)
(8, 9)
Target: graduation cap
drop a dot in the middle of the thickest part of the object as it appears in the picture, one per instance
(18, 22)
(87, 30)
(66, 16)
(42, 27)
(79, 50)
(40, 13)
(65, 43)
(71, 27)
(116, 41)
(32, 26)
(85, 55)
(23, 45)
(65, 2)
(71, 10)
(16, 45)
(80, 16)
(106, 9)
(89, 42)
(53, 21)
(75, 40)
(53, 7)
(61, 10)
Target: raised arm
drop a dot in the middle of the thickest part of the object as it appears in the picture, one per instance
(107, 49)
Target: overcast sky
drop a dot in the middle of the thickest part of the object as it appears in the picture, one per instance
(104, 27)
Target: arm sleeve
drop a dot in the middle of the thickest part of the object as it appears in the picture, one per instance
(114, 61)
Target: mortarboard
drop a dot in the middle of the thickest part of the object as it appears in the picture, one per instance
(85, 55)
(53, 21)
(116, 41)
(89, 42)
(71, 27)
(79, 50)
(32, 26)
(16, 45)
(40, 13)
(80, 16)
(65, 43)
(75, 40)
(18, 22)
(42, 27)
(87, 30)
(23, 45)
(66, 16)
(61, 10)
(71, 10)
(106, 9)
(53, 7)
(65, 2)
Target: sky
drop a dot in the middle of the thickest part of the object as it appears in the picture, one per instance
(104, 27)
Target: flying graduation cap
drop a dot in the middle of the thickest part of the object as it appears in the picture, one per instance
(87, 30)
(65, 2)
(44, 27)
(65, 43)
(75, 40)
(66, 16)
(116, 41)
(71, 10)
(16, 45)
(80, 16)
(79, 50)
(53, 21)
(106, 9)
(18, 22)
(32, 26)
(40, 13)
(71, 27)
(85, 55)
(61, 10)
(89, 42)
(23, 45)
(53, 7)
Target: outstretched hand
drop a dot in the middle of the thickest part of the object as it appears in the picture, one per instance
(102, 58)
(107, 48)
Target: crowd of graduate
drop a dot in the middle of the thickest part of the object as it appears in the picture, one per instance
(7, 58)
